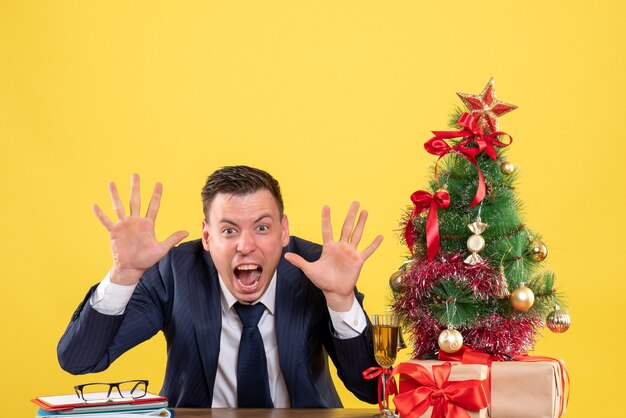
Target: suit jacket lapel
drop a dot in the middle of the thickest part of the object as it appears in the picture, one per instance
(207, 316)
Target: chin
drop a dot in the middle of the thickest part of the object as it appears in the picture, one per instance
(250, 297)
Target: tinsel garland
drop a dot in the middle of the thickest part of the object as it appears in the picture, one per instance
(421, 277)
(504, 337)
(498, 335)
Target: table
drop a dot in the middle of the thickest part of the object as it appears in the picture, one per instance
(274, 413)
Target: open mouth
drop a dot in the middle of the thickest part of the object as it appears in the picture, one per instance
(248, 276)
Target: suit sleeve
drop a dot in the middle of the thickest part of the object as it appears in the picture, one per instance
(92, 340)
(351, 357)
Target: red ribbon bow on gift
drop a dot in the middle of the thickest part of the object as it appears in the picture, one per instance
(423, 201)
(468, 355)
(448, 399)
(474, 134)
(391, 389)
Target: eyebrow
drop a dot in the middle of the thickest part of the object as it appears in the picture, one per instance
(260, 218)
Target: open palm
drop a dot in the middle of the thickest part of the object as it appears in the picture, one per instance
(337, 270)
(134, 244)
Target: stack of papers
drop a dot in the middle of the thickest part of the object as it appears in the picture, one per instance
(71, 406)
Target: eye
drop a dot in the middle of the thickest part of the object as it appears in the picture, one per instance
(228, 231)
(263, 228)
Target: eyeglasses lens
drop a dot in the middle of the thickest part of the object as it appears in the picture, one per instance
(133, 389)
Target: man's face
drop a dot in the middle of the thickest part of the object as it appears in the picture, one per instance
(245, 236)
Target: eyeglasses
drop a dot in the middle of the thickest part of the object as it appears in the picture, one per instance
(128, 389)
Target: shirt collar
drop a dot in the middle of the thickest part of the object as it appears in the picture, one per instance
(268, 298)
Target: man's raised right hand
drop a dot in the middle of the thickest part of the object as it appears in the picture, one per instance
(134, 244)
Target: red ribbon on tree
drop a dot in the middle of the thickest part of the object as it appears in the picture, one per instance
(425, 201)
(391, 389)
(448, 399)
(474, 134)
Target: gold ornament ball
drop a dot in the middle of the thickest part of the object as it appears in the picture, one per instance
(475, 243)
(450, 340)
(507, 168)
(522, 298)
(558, 321)
(395, 281)
(538, 250)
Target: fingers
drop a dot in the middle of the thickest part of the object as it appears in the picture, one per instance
(135, 199)
(348, 224)
(118, 207)
(327, 228)
(350, 232)
(135, 195)
(174, 239)
(155, 202)
(296, 260)
(371, 248)
(358, 230)
(104, 220)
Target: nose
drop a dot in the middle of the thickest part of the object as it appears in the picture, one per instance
(246, 243)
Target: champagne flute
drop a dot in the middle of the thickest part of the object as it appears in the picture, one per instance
(385, 329)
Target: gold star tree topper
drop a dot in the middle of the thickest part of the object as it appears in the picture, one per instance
(485, 108)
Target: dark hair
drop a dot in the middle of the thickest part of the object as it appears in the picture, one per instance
(239, 180)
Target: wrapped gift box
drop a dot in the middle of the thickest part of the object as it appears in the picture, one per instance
(458, 373)
(534, 388)
(527, 389)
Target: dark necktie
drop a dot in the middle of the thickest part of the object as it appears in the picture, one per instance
(253, 389)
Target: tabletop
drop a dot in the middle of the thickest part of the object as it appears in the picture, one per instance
(274, 413)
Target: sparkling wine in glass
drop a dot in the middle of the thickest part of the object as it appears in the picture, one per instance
(385, 329)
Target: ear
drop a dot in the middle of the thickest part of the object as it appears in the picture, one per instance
(205, 234)
(285, 224)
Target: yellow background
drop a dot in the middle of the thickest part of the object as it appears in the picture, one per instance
(335, 98)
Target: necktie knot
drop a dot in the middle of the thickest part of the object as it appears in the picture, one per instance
(249, 314)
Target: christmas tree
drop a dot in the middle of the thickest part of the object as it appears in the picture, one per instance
(475, 275)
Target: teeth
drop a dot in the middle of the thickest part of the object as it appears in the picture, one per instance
(248, 267)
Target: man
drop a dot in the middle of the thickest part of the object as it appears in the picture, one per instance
(196, 292)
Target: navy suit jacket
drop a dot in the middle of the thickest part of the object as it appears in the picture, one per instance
(180, 296)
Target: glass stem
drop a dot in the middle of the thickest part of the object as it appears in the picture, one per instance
(384, 394)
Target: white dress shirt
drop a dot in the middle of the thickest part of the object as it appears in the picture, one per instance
(111, 299)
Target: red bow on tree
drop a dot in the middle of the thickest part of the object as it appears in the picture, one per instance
(448, 399)
(473, 134)
(423, 201)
